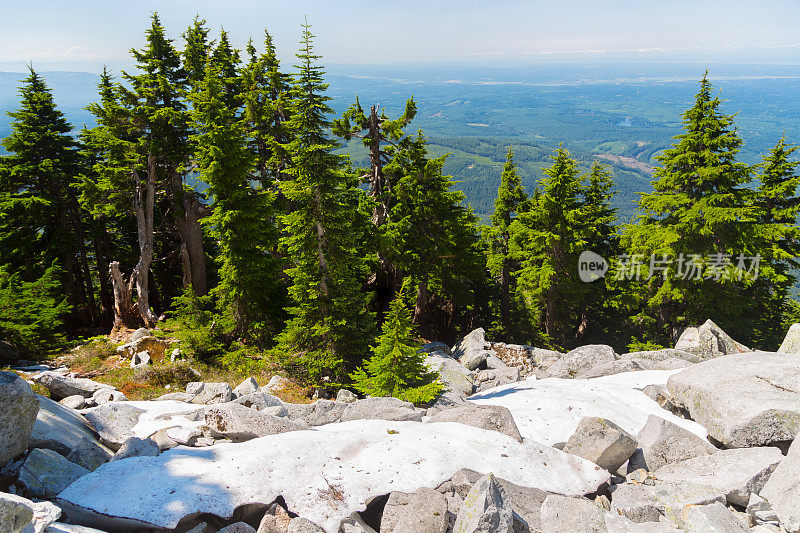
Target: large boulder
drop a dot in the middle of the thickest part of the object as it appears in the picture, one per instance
(782, 490)
(45, 473)
(240, 423)
(549, 410)
(60, 386)
(341, 467)
(18, 410)
(136, 447)
(738, 472)
(114, 422)
(454, 376)
(491, 378)
(248, 386)
(581, 361)
(318, 413)
(381, 408)
(486, 509)
(89, 454)
(154, 346)
(650, 502)
(562, 513)
(662, 442)
(62, 430)
(707, 341)
(490, 417)
(602, 442)
(15, 513)
(471, 349)
(663, 355)
(713, 518)
(791, 342)
(423, 511)
(750, 399)
(208, 393)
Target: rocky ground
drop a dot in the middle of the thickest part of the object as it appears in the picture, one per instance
(699, 438)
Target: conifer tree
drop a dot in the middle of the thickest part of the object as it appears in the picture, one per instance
(397, 366)
(547, 239)
(242, 220)
(268, 107)
(510, 195)
(698, 210)
(433, 241)
(40, 218)
(330, 328)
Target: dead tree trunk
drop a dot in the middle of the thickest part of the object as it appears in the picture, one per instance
(193, 261)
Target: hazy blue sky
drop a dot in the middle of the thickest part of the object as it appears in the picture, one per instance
(83, 35)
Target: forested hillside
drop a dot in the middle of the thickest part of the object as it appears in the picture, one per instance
(211, 194)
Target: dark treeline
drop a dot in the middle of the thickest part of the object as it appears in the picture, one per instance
(293, 254)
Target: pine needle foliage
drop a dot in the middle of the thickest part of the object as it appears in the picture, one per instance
(397, 366)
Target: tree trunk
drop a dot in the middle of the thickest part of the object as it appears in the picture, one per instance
(125, 309)
(145, 200)
(193, 260)
(102, 267)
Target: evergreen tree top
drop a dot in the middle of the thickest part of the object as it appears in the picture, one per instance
(510, 195)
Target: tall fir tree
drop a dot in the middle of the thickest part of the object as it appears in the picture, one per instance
(40, 217)
(510, 196)
(242, 222)
(433, 242)
(697, 216)
(330, 328)
(547, 239)
(397, 366)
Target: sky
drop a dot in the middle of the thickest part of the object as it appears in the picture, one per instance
(85, 35)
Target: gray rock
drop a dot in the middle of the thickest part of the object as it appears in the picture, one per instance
(44, 514)
(791, 343)
(238, 527)
(209, 393)
(714, 518)
(525, 501)
(355, 524)
(493, 363)
(114, 422)
(346, 396)
(736, 472)
(489, 379)
(108, 395)
(471, 350)
(73, 402)
(743, 400)
(15, 513)
(259, 400)
(582, 360)
(88, 454)
(138, 334)
(175, 396)
(544, 359)
(275, 520)
(18, 411)
(454, 376)
(761, 511)
(318, 413)
(617, 367)
(45, 473)
(648, 503)
(248, 386)
(602, 442)
(303, 525)
(782, 490)
(381, 409)
(708, 341)
(489, 417)
(661, 442)
(61, 386)
(424, 511)
(61, 429)
(663, 355)
(670, 364)
(136, 447)
(277, 384)
(486, 509)
(563, 513)
(239, 423)
(141, 359)
(447, 400)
